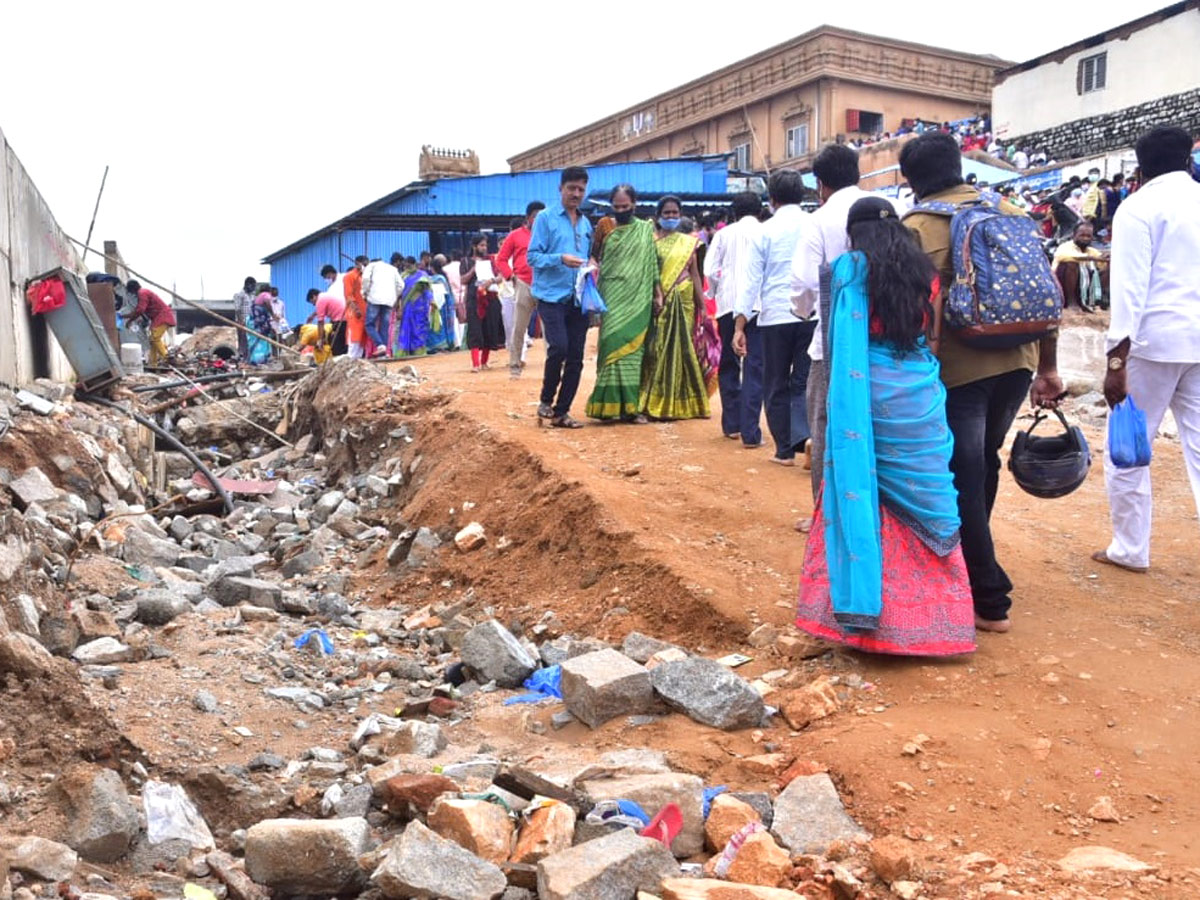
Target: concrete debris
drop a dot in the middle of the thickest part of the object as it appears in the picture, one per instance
(809, 816)
(307, 856)
(102, 651)
(493, 654)
(420, 863)
(708, 692)
(617, 865)
(479, 826)
(605, 684)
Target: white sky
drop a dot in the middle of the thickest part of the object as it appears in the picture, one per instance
(234, 128)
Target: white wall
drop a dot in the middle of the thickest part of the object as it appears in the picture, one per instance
(1158, 61)
(30, 243)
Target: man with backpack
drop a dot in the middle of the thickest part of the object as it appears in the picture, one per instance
(996, 340)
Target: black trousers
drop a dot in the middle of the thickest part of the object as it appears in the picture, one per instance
(785, 380)
(979, 415)
(565, 327)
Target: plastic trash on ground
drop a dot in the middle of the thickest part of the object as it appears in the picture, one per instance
(326, 643)
(734, 845)
(544, 683)
(171, 816)
(618, 812)
(710, 794)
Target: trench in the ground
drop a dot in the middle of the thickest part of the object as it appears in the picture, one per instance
(552, 547)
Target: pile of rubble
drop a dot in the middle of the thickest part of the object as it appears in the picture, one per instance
(397, 800)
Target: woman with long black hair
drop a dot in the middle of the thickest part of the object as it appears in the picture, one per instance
(883, 571)
(485, 322)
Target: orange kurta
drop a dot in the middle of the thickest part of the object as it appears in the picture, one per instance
(356, 307)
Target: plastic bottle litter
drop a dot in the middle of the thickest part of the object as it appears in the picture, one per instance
(171, 816)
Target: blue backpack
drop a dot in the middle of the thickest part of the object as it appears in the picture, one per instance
(1004, 293)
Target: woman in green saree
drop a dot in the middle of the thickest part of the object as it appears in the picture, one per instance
(628, 282)
(673, 385)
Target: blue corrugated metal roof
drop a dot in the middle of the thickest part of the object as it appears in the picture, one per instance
(507, 194)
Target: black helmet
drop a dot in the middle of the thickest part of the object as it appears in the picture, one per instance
(1050, 467)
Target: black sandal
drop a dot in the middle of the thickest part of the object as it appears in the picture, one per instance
(565, 422)
(545, 411)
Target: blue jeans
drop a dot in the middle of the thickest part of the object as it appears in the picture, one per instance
(979, 415)
(741, 382)
(376, 323)
(785, 379)
(565, 327)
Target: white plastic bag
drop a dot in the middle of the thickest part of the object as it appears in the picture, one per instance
(171, 816)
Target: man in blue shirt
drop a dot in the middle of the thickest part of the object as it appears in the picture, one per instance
(558, 246)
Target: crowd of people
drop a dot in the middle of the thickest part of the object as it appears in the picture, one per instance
(831, 323)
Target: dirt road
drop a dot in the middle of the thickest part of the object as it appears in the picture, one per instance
(1093, 693)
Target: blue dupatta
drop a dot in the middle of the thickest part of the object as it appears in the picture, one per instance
(886, 442)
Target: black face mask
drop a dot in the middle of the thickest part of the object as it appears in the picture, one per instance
(624, 217)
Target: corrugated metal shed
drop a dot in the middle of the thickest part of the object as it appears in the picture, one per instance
(435, 214)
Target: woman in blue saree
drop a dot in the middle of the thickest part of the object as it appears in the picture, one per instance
(883, 570)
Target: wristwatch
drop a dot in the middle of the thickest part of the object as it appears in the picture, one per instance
(1115, 364)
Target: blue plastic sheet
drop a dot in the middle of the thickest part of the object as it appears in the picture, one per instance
(590, 300)
(322, 638)
(1128, 442)
(711, 794)
(544, 683)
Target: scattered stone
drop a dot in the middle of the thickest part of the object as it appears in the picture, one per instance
(301, 564)
(235, 589)
(101, 819)
(38, 857)
(654, 791)
(180, 528)
(158, 607)
(493, 654)
(265, 762)
(803, 706)
(142, 549)
(325, 507)
(1104, 810)
(34, 487)
(760, 861)
(102, 651)
(561, 719)
(419, 863)
(470, 538)
(640, 647)
(548, 830)
(711, 889)
(726, 817)
(604, 684)
(795, 646)
(671, 654)
(416, 739)
(307, 856)
(893, 858)
(907, 890)
(614, 866)
(419, 791)
(760, 801)
(423, 548)
(230, 874)
(355, 803)
(809, 816)
(301, 695)
(479, 826)
(1103, 859)
(29, 616)
(708, 692)
(763, 636)
(770, 764)
(204, 702)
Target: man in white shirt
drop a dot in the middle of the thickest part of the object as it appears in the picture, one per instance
(764, 276)
(1154, 333)
(740, 381)
(836, 168)
(382, 286)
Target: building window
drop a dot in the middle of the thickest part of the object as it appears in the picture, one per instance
(1092, 74)
(863, 122)
(741, 157)
(797, 140)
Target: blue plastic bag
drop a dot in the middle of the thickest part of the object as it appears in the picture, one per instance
(544, 683)
(590, 300)
(1128, 442)
(322, 638)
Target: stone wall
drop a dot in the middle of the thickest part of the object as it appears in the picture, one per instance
(1115, 131)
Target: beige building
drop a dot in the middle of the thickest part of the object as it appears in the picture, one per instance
(779, 106)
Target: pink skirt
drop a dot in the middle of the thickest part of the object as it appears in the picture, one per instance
(927, 606)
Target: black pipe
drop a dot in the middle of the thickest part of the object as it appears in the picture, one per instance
(173, 441)
(223, 376)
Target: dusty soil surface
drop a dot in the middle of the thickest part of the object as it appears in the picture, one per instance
(674, 530)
